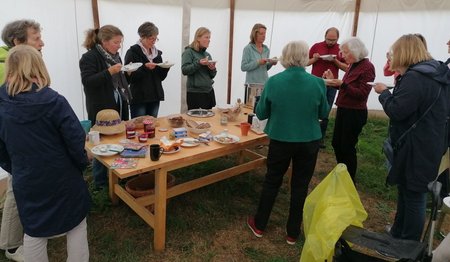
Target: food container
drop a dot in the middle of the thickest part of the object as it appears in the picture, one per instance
(175, 121)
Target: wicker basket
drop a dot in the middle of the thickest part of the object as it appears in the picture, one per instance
(144, 185)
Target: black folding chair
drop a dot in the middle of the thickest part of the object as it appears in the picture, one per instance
(391, 249)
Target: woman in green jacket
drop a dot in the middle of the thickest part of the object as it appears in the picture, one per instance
(292, 101)
(200, 69)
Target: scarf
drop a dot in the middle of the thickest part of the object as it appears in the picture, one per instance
(120, 83)
(150, 54)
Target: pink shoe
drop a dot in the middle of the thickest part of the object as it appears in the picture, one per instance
(290, 240)
(251, 225)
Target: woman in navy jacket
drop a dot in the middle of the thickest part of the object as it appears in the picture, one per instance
(417, 158)
(42, 146)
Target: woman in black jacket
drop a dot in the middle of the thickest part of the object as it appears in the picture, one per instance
(105, 85)
(420, 87)
(145, 82)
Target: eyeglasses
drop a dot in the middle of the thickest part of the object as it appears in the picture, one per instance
(153, 39)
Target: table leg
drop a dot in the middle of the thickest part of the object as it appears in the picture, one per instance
(160, 209)
(113, 181)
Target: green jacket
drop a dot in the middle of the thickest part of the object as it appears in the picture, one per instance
(199, 77)
(3, 54)
(293, 101)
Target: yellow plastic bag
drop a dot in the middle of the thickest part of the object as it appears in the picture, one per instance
(329, 209)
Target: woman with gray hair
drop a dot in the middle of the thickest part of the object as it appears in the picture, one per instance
(146, 81)
(351, 114)
(292, 101)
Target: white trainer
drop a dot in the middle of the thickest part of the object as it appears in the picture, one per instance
(16, 256)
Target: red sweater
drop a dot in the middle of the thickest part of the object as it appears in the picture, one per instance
(354, 91)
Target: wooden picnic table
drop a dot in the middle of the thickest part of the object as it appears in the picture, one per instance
(247, 160)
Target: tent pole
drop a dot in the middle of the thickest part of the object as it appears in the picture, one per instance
(230, 50)
(356, 17)
(95, 14)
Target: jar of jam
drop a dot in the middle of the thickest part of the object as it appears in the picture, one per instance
(130, 130)
(149, 128)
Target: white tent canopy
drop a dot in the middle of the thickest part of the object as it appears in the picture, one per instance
(381, 22)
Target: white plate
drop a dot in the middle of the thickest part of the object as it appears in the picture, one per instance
(131, 67)
(107, 149)
(327, 57)
(165, 65)
(173, 151)
(229, 139)
(189, 142)
(212, 61)
(373, 84)
(273, 59)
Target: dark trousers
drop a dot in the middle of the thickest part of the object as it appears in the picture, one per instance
(201, 100)
(303, 156)
(410, 217)
(331, 93)
(348, 126)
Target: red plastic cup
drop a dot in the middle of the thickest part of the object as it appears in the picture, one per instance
(245, 127)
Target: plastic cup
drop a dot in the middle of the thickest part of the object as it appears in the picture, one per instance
(245, 127)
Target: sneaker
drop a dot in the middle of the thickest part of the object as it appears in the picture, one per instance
(290, 240)
(16, 256)
(387, 229)
(251, 225)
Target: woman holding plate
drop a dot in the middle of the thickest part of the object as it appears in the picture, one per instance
(146, 81)
(105, 84)
(200, 70)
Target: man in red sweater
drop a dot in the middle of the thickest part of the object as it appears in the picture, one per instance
(323, 56)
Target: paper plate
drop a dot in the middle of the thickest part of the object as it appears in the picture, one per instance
(165, 65)
(212, 61)
(327, 57)
(131, 67)
(107, 149)
(229, 139)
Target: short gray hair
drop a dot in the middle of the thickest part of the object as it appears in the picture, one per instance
(356, 48)
(18, 30)
(295, 53)
(148, 29)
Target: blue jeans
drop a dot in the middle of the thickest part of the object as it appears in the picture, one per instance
(303, 156)
(143, 109)
(331, 94)
(410, 217)
(100, 174)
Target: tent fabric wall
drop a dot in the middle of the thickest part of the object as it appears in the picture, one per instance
(380, 23)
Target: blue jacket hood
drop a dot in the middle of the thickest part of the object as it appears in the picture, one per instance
(437, 70)
(28, 106)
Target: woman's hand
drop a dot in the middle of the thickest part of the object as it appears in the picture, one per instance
(379, 88)
(204, 61)
(328, 74)
(150, 65)
(212, 65)
(262, 61)
(115, 69)
(333, 82)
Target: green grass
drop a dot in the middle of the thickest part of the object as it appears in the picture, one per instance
(208, 224)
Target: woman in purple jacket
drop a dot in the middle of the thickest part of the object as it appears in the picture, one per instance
(42, 146)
